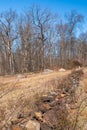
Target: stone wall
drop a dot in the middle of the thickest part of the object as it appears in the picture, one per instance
(53, 110)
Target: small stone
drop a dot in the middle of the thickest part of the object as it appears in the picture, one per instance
(38, 115)
(32, 125)
(16, 127)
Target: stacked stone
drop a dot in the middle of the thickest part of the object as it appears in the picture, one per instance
(53, 109)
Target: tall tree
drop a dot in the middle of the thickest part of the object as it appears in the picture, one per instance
(8, 36)
(41, 23)
(73, 21)
(25, 32)
(62, 30)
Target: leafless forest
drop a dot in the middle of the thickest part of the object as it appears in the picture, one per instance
(55, 47)
(38, 39)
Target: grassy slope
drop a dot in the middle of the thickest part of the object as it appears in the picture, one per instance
(13, 87)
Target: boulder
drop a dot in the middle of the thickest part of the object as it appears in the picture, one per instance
(50, 117)
(45, 127)
(62, 70)
(32, 125)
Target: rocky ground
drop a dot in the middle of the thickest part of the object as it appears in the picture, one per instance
(46, 101)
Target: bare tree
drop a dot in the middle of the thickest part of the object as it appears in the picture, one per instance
(8, 35)
(73, 21)
(82, 48)
(41, 23)
(41, 41)
(25, 32)
(62, 30)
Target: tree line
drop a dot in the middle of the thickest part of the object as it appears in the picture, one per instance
(38, 39)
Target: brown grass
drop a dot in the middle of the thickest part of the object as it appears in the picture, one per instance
(19, 94)
(13, 87)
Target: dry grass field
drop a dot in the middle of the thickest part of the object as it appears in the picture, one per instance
(19, 92)
(12, 87)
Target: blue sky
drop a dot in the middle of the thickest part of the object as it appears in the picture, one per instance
(60, 6)
(56, 6)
